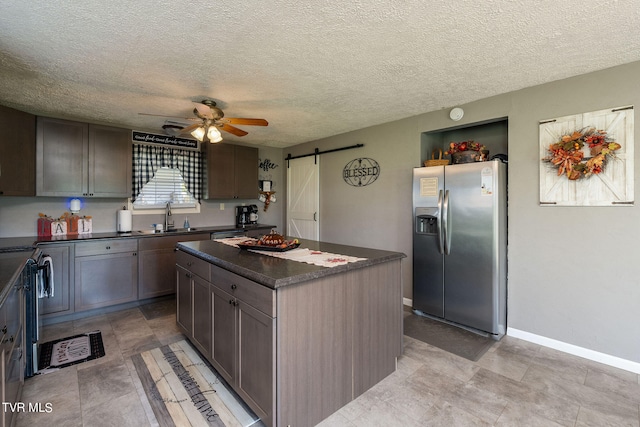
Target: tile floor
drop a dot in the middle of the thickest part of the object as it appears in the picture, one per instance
(514, 383)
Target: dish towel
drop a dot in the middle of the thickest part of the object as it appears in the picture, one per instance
(45, 277)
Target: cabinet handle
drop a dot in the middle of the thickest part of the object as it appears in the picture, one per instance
(135, 254)
(233, 302)
(189, 264)
(4, 329)
(188, 275)
(234, 286)
(108, 247)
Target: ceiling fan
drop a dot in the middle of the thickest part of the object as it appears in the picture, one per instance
(209, 121)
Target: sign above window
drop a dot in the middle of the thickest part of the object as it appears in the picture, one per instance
(153, 138)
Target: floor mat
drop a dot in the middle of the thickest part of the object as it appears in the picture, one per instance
(447, 337)
(70, 351)
(183, 389)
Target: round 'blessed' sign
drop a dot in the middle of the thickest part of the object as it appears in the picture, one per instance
(361, 172)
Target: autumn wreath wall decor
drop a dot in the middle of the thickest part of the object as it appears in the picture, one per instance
(568, 157)
(587, 159)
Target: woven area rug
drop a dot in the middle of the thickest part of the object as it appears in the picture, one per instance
(69, 351)
(184, 390)
(450, 338)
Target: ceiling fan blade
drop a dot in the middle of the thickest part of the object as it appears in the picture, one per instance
(233, 130)
(248, 122)
(203, 110)
(190, 128)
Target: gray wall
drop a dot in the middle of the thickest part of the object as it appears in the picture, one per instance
(573, 271)
(18, 215)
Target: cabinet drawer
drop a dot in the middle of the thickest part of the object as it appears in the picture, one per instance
(105, 247)
(256, 295)
(194, 265)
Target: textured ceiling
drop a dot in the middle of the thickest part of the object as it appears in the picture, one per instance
(312, 69)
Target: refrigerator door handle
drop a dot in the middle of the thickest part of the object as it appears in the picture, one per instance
(439, 225)
(446, 224)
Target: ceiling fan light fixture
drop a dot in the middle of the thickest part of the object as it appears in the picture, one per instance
(214, 134)
(198, 133)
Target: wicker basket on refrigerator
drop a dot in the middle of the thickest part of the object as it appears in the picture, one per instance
(436, 162)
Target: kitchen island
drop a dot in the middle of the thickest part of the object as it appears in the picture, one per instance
(297, 341)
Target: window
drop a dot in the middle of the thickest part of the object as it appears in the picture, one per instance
(162, 175)
(167, 185)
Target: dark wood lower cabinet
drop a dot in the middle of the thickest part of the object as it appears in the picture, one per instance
(12, 346)
(201, 315)
(224, 342)
(61, 302)
(157, 263)
(256, 358)
(106, 273)
(297, 354)
(238, 339)
(184, 310)
(243, 349)
(193, 296)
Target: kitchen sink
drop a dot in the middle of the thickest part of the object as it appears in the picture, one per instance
(182, 230)
(170, 230)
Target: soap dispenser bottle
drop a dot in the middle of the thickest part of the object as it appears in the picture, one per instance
(186, 223)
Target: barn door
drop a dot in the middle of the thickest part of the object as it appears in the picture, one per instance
(612, 186)
(303, 198)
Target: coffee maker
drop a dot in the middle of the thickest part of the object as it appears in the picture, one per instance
(242, 216)
(246, 215)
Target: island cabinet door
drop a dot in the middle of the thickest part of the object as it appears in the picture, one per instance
(201, 315)
(183, 295)
(224, 340)
(256, 360)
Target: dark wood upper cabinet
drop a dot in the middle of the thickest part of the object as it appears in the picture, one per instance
(17, 153)
(232, 172)
(80, 159)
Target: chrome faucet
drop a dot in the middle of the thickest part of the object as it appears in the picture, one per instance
(168, 220)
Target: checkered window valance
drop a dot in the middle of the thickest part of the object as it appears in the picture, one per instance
(148, 159)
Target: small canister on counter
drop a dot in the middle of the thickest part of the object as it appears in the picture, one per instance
(44, 225)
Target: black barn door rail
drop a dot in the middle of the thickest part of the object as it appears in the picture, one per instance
(317, 152)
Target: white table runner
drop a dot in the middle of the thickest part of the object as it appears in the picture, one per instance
(324, 259)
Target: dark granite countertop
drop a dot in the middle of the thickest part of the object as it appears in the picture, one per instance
(14, 251)
(277, 272)
(12, 244)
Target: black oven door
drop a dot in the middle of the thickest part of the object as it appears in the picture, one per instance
(30, 277)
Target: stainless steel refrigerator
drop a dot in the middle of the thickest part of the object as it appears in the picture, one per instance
(460, 244)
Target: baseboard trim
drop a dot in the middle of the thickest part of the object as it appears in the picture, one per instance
(596, 356)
